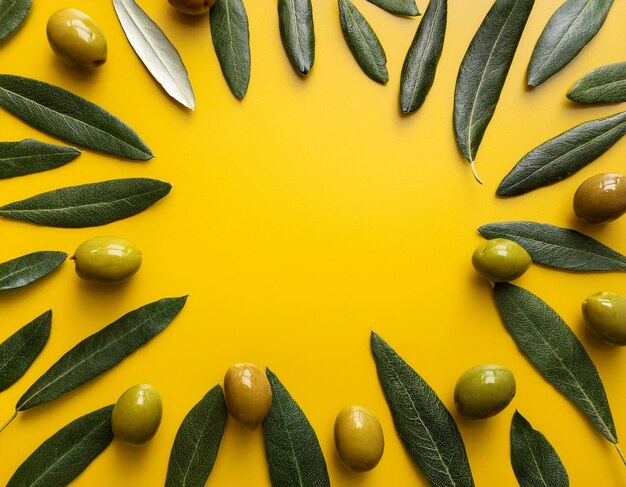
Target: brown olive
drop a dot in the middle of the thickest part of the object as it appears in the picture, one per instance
(359, 438)
(601, 198)
(192, 7)
(248, 394)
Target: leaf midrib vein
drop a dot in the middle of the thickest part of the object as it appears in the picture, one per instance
(25, 269)
(534, 458)
(293, 450)
(429, 38)
(24, 344)
(363, 39)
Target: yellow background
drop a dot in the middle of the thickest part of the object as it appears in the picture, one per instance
(302, 218)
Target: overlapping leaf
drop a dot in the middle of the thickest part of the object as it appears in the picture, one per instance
(30, 156)
(295, 19)
(607, 84)
(24, 270)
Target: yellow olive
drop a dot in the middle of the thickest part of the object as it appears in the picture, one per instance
(501, 260)
(248, 394)
(605, 315)
(601, 198)
(137, 414)
(358, 438)
(107, 259)
(76, 38)
(484, 391)
(192, 7)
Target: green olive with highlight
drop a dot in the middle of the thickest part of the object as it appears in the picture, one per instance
(192, 7)
(359, 438)
(605, 316)
(501, 260)
(248, 394)
(137, 414)
(107, 259)
(484, 390)
(76, 39)
(601, 198)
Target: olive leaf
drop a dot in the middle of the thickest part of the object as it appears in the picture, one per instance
(562, 156)
(63, 456)
(424, 424)
(557, 247)
(12, 14)
(19, 351)
(295, 19)
(363, 42)
(197, 442)
(293, 451)
(420, 64)
(547, 341)
(88, 205)
(29, 156)
(67, 116)
(606, 84)
(398, 7)
(231, 39)
(534, 460)
(156, 51)
(24, 270)
(484, 70)
(571, 27)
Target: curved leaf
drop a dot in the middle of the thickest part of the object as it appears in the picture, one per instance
(29, 156)
(571, 27)
(607, 84)
(424, 424)
(88, 205)
(398, 7)
(24, 270)
(69, 117)
(12, 14)
(295, 19)
(562, 156)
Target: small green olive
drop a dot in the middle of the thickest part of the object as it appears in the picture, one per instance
(248, 394)
(601, 198)
(107, 259)
(137, 414)
(605, 315)
(358, 438)
(484, 390)
(76, 38)
(501, 260)
(192, 7)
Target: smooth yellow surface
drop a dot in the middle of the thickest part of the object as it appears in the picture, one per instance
(301, 219)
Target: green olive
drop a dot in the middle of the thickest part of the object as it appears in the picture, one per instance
(248, 394)
(107, 259)
(601, 198)
(76, 38)
(358, 438)
(501, 260)
(484, 390)
(605, 315)
(137, 414)
(192, 7)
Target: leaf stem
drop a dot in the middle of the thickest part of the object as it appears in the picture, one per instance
(476, 176)
(621, 453)
(15, 416)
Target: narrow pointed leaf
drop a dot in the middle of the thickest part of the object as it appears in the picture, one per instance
(571, 27)
(12, 14)
(64, 456)
(88, 205)
(29, 156)
(562, 156)
(363, 42)
(424, 424)
(484, 70)
(101, 351)
(156, 51)
(197, 442)
(67, 116)
(558, 247)
(398, 7)
(19, 351)
(24, 270)
(295, 19)
(607, 84)
(231, 39)
(293, 451)
(555, 351)
(420, 64)
(534, 460)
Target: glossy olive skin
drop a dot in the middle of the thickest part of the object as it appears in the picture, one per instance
(248, 394)
(137, 414)
(359, 438)
(77, 39)
(107, 259)
(605, 316)
(501, 260)
(484, 391)
(192, 7)
(601, 198)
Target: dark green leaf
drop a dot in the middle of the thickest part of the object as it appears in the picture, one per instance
(63, 456)
(12, 14)
(231, 39)
(19, 351)
(424, 424)
(30, 156)
(363, 42)
(102, 351)
(296, 31)
(28, 268)
(534, 460)
(420, 65)
(398, 7)
(607, 84)
(571, 27)
(293, 451)
(553, 348)
(563, 155)
(88, 205)
(197, 442)
(69, 117)
(484, 70)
